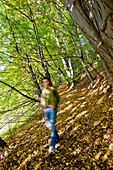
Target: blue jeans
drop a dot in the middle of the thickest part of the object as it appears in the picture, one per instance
(51, 116)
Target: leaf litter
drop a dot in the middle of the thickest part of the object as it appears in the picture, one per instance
(84, 123)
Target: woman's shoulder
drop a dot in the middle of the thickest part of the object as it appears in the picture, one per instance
(51, 88)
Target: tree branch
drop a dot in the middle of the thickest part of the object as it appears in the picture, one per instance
(28, 97)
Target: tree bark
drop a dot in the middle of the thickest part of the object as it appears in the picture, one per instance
(85, 68)
(95, 18)
(43, 62)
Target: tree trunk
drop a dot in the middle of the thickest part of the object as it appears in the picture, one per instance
(96, 70)
(43, 62)
(36, 85)
(33, 76)
(58, 67)
(107, 71)
(95, 18)
(85, 68)
(63, 60)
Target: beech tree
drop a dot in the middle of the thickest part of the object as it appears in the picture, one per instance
(95, 18)
(37, 38)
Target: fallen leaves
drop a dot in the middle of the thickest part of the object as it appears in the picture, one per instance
(84, 124)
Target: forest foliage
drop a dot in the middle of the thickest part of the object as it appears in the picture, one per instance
(84, 124)
(41, 38)
(37, 38)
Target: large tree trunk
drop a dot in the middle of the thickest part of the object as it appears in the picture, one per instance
(95, 18)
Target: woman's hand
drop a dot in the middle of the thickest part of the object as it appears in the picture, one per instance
(53, 106)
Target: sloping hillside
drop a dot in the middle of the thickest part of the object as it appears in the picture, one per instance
(84, 124)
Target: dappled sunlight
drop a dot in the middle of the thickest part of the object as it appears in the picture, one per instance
(111, 147)
(58, 122)
(68, 107)
(73, 109)
(97, 122)
(67, 102)
(101, 100)
(105, 89)
(111, 109)
(61, 131)
(61, 106)
(76, 127)
(95, 84)
(84, 121)
(70, 117)
(57, 145)
(97, 156)
(83, 75)
(81, 98)
(71, 8)
(83, 104)
(97, 141)
(67, 127)
(93, 91)
(77, 151)
(75, 102)
(60, 112)
(69, 95)
(81, 114)
(101, 87)
(46, 137)
(63, 94)
(28, 159)
(71, 121)
(107, 136)
(44, 146)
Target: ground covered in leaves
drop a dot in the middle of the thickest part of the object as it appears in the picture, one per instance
(84, 124)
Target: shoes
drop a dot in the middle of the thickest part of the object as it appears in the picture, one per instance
(54, 140)
(51, 148)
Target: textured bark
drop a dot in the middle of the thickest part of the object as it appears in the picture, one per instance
(95, 18)
(85, 68)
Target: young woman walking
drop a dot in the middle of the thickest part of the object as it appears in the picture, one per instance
(49, 102)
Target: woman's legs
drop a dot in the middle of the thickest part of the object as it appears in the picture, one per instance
(51, 114)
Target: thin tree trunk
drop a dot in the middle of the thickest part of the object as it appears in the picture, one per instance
(96, 70)
(36, 85)
(58, 67)
(43, 62)
(86, 70)
(63, 61)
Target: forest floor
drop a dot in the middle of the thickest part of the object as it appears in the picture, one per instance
(84, 124)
